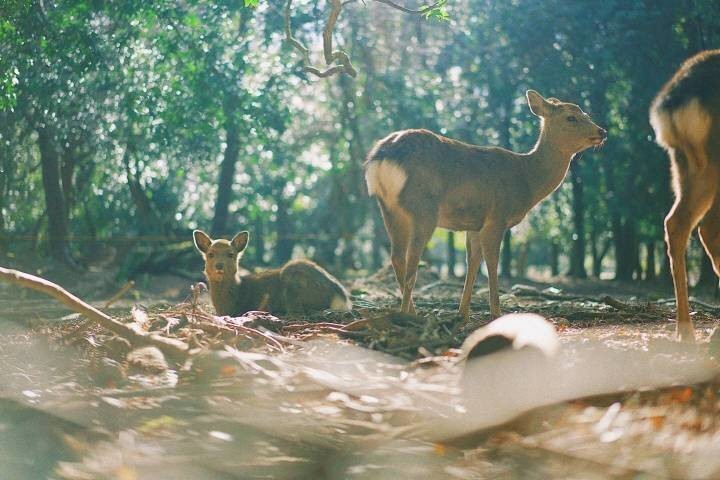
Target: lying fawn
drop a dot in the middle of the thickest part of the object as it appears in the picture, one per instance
(423, 180)
(686, 118)
(297, 286)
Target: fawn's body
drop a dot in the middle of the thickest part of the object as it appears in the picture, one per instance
(423, 180)
(686, 118)
(298, 286)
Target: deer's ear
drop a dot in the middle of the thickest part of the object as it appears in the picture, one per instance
(202, 240)
(240, 241)
(538, 105)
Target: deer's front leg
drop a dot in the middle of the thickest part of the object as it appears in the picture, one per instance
(491, 238)
(473, 259)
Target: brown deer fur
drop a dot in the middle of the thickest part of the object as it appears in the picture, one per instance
(686, 118)
(423, 180)
(297, 286)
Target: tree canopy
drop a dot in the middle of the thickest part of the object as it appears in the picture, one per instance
(130, 123)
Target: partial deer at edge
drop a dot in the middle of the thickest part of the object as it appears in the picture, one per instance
(686, 118)
(423, 180)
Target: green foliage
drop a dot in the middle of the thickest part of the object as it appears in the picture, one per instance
(437, 11)
(139, 99)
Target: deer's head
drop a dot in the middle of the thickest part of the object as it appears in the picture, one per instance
(566, 124)
(221, 256)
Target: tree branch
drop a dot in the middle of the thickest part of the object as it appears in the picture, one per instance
(394, 5)
(175, 349)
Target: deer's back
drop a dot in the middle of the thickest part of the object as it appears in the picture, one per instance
(464, 183)
(698, 78)
(686, 118)
(298, 286)
(307, 286)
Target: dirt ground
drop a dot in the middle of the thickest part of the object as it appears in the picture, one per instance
(366, 394)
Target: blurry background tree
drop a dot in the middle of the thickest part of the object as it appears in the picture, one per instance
(126, 124)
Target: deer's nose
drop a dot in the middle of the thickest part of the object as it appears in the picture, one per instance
(603, 132)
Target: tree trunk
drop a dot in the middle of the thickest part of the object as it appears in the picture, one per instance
(638, 270)
(577, 256)
(598, 257)
(258, 240)
(67, 171)
(231, 104)
(285, 233)
(650, 272)
(148, 219)
(451, 254)
(625, 250)
(665, 270)
(554, 258)
(54, 200)
(5, 165)
(506, 258)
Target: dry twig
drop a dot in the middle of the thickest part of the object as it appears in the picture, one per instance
(175, 349)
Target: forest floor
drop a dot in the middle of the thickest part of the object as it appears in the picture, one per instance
(365, 394)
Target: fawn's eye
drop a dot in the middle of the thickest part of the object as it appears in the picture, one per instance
(571, 118)
(211, 255)
(230, 255)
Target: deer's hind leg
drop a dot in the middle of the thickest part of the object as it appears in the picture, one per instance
(473, 259)
(397, 224)
(422, 228)
(694, 196)
(710, 233)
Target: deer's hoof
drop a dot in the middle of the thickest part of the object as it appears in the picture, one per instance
(685, 332)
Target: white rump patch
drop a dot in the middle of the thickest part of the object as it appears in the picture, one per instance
(662, 124)
(385, 179)
(688, 126)
(340, 304)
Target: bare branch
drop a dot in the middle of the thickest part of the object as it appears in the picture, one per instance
(396, 6)
(339, 58)
(175, 349)
(338, 61)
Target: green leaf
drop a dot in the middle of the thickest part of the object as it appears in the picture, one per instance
(436, 11)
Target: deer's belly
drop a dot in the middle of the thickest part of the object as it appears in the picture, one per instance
(461, 217)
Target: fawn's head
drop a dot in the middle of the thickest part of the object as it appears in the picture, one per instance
(565, 123)
(221, 256)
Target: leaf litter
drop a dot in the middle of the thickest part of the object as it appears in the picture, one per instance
(368, 394)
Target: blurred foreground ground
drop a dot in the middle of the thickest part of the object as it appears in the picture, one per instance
(317, 403)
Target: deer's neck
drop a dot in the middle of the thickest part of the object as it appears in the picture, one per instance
(547, 165)
(224, 295)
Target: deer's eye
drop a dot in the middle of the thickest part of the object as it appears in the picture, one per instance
(571, 118)
(211, 255)
(230, 255)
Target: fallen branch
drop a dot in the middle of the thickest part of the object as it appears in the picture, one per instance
(125, 288)
(616, 304)
(175, 349)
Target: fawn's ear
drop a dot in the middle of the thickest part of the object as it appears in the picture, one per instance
(538, 105)
(240, 241)
(202, 240)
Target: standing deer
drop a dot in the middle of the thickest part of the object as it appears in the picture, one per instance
(423, 180)
(686, 118)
